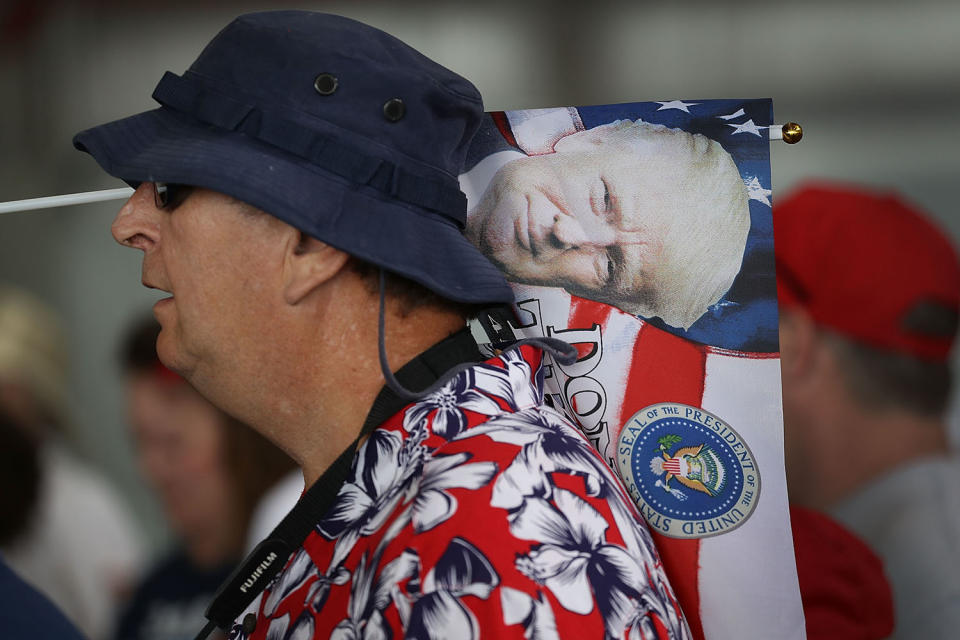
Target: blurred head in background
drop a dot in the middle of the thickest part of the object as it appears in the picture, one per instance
(869, 292)
(33, 362)
(32, 389)
(208, 469)
(20, 477)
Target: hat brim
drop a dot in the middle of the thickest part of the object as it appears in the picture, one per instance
(165, 146)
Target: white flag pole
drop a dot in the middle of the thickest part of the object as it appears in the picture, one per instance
(65, 200)
(791, 133)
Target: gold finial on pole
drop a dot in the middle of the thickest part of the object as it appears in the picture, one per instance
(792, 133)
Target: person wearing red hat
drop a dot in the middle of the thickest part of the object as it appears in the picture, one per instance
(870, 292)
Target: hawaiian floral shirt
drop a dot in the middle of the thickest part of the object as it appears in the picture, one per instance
(476, 512)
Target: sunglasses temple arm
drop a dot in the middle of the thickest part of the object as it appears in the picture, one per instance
(65, 200)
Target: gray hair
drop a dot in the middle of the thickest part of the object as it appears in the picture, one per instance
(703, 249)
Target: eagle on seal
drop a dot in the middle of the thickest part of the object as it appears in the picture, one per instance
(696, 467)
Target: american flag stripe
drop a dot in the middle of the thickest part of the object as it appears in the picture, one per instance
(758, 557)
(672, 466)
(665, 368)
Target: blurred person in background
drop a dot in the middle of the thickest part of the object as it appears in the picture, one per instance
(24, 612)
(19, 478)
(66, 531)
(209, 472)
(870, 292)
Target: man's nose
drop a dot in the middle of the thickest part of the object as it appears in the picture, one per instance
(568, 232)
(137, 224)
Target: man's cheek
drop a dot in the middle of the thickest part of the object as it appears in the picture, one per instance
(516, 265)
(572, 270)
(499, 231)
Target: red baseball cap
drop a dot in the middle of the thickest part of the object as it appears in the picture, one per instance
(869, 266)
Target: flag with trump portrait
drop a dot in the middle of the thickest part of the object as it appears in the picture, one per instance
(642, 233)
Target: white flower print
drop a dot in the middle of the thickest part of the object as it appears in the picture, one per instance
(449, 404)
(369, 597)
(432, 504)
(293, 576)
(382, 469)
(513, 383)
(656, 595)
(640, 625)
(278, 628)
(579, 566)
(437, 613)
(471, 391)
(369, 495)
(320, 589)
(571, 533)
(301, 630)
(550, 444)
(296, 574)
(536, 615)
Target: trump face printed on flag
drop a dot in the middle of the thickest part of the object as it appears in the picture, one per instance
(650, 219)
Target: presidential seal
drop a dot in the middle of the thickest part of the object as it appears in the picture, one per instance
(690, 473)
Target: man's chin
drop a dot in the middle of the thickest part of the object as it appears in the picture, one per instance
(168, 353)
(506, 264)
(520, 267)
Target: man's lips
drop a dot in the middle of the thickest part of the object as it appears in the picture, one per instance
(163, 301)
(150, 285)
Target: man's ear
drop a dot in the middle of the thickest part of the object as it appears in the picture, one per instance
(798, 342)
(310, 264)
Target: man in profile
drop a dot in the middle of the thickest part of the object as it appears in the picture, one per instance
(297, 197)
(870, 292)
(649, 219)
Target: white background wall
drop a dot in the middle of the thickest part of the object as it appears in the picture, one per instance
(876, 85)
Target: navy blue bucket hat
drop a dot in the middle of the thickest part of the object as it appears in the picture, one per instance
(332, 126)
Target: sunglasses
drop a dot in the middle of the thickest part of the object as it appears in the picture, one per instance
(170, 196)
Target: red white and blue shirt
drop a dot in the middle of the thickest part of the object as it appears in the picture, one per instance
(476, 512)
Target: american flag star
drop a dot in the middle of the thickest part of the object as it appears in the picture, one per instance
(747, 127)
(676, 104)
